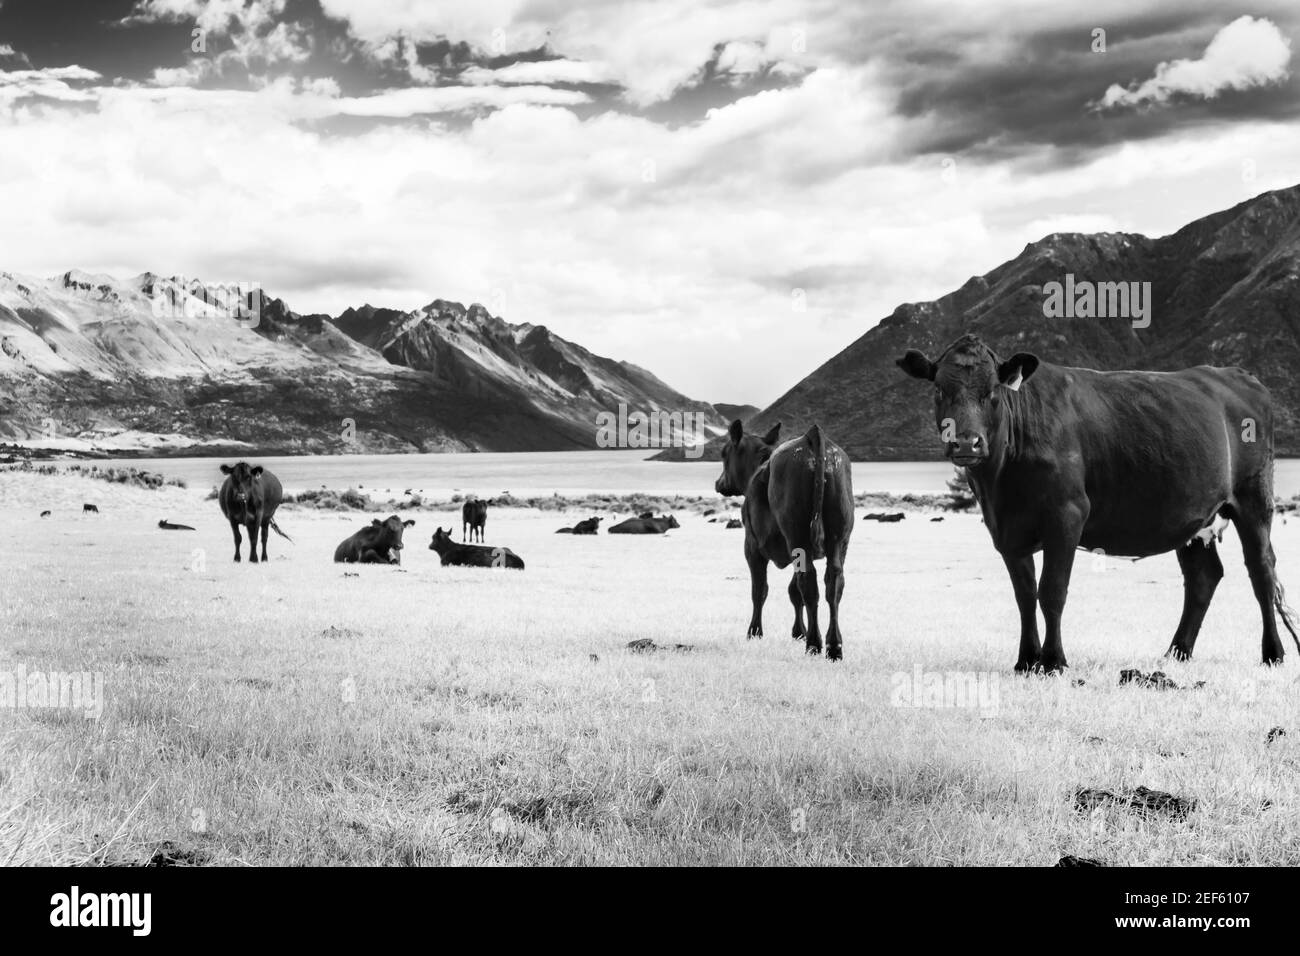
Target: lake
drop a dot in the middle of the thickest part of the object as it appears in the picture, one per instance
(542, 473)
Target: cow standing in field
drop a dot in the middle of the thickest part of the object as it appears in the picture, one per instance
(472, 555)
(473, 515)
(249, 496)
(378, 543)
(798, 507)
(1126, 463)
(645, 524)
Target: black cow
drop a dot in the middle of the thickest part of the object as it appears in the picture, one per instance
(645, 525)
(798, 507)
(87, 508)
(589, 526)
(883, 517)
(45, 514)
(473, 515)
(1128, 463)
(472, 555)
(378, 543)
(249, 496)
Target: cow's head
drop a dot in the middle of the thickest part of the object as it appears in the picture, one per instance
(970, 386)
(441, 540)
(672, 521)
(245, 487)
(743, 455)
(390, 533)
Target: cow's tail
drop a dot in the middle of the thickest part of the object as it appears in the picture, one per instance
(816, 533)
(1287, 614)
(279, 532)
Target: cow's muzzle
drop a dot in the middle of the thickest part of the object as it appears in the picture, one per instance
(968, 451)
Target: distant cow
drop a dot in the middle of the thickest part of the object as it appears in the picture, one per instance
(645, 525)
(472, 555)
(798, 507)
(886, 518)
(168, 526)
(733, 523)
(473, 515)
(378, 543)
(249, 496)
(589, 526)
(1125, 463)
(45, 514)
(89, 508)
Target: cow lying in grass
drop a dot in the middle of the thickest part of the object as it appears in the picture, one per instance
(645, 525)
(472, 555)
(589, 526)
(380, 543)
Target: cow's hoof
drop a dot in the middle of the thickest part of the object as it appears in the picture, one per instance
(814, 649)
(754, 634)
(1273, 661)
(1178, 653)
(1025, 667)
(797, 633)
(236, 559)
(834, 654)
(1050, 667)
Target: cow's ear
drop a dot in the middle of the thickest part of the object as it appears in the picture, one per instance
(1016, 369)
(257, 470)
(736, 432)
(408, 522)
(375, 523)
(226, 469)
(772, 435)
(915, 364)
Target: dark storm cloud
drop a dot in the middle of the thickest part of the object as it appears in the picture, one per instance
(1013, 93)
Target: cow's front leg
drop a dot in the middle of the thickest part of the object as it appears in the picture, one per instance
(234, 527)
(252, 541)
(266, 530)
(1026, 588)
(1058, 562)
(757, 586)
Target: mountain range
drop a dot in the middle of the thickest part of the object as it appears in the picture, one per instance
(1224, 290)
(165, 364)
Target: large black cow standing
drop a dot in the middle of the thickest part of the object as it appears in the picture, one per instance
(249, 496)
(798, 508)
(1128, 463)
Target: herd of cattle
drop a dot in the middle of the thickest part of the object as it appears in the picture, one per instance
(1059, 459)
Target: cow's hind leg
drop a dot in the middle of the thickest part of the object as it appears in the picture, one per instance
(834, 590)
(811, 596)
(234, 527)
(1252, 519)
(757, 587)
(1202, 571)
(1026, 588)
(266, 530)
(796, 598)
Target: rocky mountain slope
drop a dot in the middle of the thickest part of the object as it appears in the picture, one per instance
(163, 364)
(1225, 290)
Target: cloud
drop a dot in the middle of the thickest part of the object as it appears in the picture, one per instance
(1246, 53)
(51, 84)
(547, 72)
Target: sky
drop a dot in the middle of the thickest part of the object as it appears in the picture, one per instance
(727, 193)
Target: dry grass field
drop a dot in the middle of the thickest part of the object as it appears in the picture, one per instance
(301, 712)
